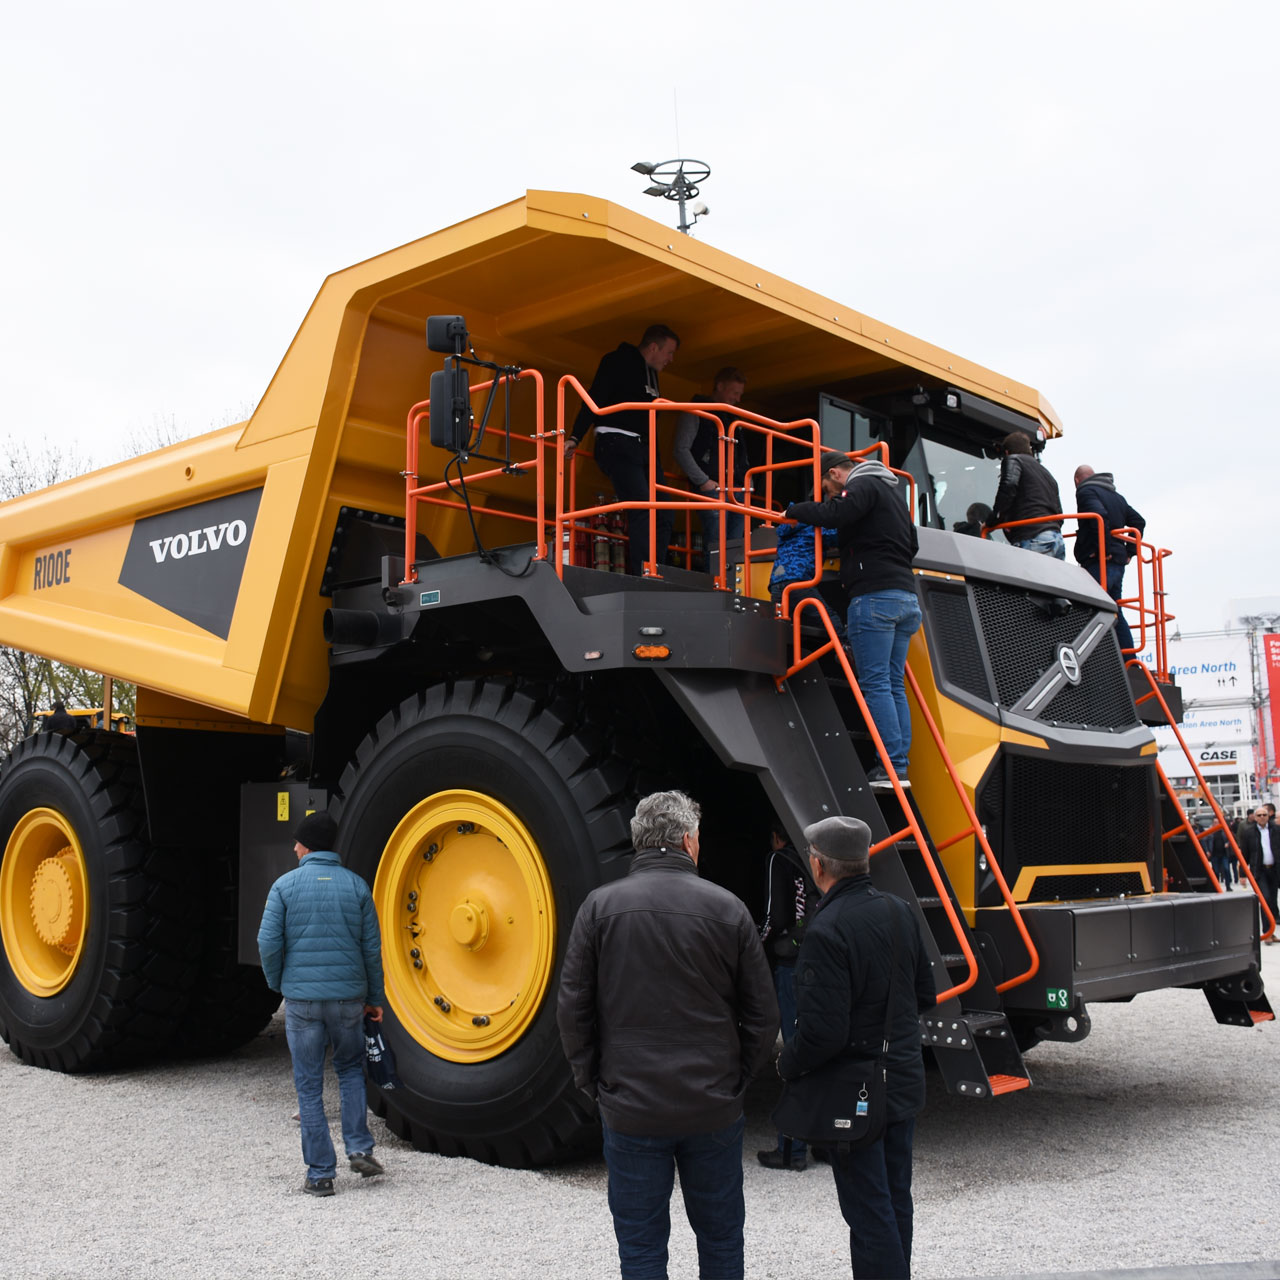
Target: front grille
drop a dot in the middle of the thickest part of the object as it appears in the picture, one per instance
(1022, 638)
(956, 644)
(1102, 699)
(1022, 641)
(1040, 812)
(1070, 888)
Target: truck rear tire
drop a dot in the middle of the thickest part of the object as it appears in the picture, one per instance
(483, 813)
(98, 959)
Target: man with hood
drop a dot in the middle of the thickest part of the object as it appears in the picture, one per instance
(1096, 492)
(629, 375)
(878, 542)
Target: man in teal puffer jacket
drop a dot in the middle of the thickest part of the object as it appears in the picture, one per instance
(321, 948)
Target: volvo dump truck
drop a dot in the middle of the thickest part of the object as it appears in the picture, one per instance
(389, 592)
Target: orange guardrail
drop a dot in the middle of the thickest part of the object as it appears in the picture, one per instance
(912, 828)
(1185, 825)
(415, 493)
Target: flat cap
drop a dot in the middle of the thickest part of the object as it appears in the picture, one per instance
(841, 838)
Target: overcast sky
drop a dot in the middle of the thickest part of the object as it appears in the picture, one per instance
(1084, 197)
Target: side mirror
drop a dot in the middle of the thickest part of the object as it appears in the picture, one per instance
(450, 408)
(447, 335)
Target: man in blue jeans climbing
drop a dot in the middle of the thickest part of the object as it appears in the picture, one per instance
(878, 542)
(320, 946)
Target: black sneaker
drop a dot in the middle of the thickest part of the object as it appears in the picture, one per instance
(365, 1165)
(878, 779)
(318, 1186)
(774, 1159)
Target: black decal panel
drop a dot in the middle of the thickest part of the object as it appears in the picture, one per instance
(190, 561)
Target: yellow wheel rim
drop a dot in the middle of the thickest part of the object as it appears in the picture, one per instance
(468, 925)
(44, 902)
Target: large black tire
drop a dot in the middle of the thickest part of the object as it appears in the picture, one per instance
(230, 1002)
(137, 953)
(536, 753)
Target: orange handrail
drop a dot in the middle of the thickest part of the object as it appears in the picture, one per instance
(913, 826)
(689, 501)
(975, 828)
(413, 492)
(1208, 796)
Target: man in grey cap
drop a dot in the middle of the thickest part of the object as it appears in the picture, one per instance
(878, 542)
(320, 946)
(845, 973)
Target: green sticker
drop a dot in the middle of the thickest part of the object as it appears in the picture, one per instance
(1056, 998)
(429, 597)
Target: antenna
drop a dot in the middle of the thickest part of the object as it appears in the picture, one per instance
(677, 180)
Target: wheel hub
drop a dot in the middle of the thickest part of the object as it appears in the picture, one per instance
(55, 907)
(468, 925)
(44, 901)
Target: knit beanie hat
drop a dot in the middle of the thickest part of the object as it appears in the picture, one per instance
(316, 831)
(832, 458)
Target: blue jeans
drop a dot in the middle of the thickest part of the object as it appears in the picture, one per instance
(711, 529)
(1048, 542)
(881, 624)
(1115, 586)
(641, 1177)
(311, 1026)
(874, 1186)
(784, 983)
(625, 460)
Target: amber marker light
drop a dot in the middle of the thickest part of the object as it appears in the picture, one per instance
(651, 652)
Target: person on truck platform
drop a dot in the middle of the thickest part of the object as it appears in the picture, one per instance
(697, 453)
(626, 375)
(878, 542)
(1096, 492)
(60, 720)
(1027, 490)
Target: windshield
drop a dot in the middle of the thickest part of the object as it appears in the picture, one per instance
(959, 481)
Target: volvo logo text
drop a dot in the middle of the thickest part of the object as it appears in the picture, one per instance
(198, 541)
(1069, 663)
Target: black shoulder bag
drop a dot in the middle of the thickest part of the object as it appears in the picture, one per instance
(842, 1102)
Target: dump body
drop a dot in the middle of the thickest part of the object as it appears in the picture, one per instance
(141, 571)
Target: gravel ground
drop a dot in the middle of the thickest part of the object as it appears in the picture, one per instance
(1156, 1141)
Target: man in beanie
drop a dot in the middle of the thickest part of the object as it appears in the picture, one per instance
(321, 948)
(878, 542)
(861, 948)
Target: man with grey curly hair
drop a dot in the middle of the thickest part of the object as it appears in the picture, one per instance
(666, 1013)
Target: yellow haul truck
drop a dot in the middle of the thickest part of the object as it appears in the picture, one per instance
(354, 600)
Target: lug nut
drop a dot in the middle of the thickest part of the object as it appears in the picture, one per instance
(414, 952)
(430, 852)
(480, 1020)
(442, 1004)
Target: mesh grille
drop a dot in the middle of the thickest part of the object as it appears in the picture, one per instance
(1022, 640)
(1102, 699)
(959, 652)
(1045, 813)
(1069, 888)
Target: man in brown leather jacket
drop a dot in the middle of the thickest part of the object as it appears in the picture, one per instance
(666, 1012)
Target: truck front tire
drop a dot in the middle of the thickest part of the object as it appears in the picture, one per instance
(483, 813)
